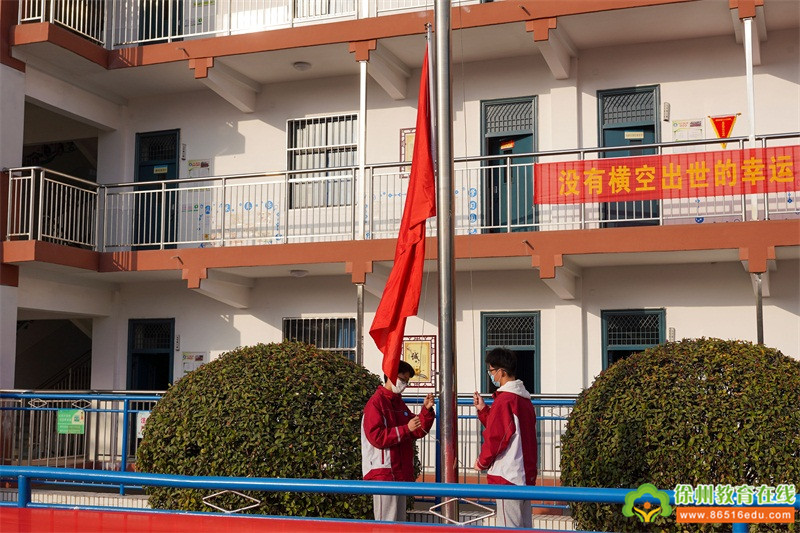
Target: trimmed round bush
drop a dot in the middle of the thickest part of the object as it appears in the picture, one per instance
(699, 411)
(284, 410)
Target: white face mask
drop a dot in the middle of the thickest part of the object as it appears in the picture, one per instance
(400, 386)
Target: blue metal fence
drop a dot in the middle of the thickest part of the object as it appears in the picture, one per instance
(104, 436)
(24, 476)
(109, 437)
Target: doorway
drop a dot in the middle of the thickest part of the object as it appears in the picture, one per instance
(160, 22)
(519, 332)
(628, 118)
(150, 359)
(156, 160)
(508, 130)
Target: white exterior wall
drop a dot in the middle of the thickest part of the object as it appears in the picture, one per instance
(699, 300)
(696, 86)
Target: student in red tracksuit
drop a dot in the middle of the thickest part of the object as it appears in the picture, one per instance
(388, 430)
(509, 450)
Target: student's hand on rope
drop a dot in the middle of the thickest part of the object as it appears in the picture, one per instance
(414, 424)
(428, 403)
(477, 401)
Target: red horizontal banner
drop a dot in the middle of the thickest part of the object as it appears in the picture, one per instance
(664, 177)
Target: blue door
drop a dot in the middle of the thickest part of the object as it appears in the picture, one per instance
(628, 119)
(508, 181)
(150, 353)
(155, 205)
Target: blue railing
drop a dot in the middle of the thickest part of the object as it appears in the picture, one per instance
(106, 438)
(24, 476)
(109, 440)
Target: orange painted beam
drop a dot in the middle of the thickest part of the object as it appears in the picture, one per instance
(344, 32)
(755, 242)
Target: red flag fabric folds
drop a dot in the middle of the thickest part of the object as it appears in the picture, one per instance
(401, 296)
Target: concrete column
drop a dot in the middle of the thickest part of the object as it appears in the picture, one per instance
(569, 336)
(565, 122)
(12, 118)
(8, 335)
(110, 349)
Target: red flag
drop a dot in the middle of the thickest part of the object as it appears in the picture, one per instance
(401, 296)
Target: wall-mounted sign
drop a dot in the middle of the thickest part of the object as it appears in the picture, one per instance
(192, 361)
(407, 136)
(688, 130)
(161, 169)
(199, 168)
(420, 353)
(71, 421)
(141, 420)
(507, 145)
(634, 135)
(657, 177)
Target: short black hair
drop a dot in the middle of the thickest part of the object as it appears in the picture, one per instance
(503, 358)
(404, 368)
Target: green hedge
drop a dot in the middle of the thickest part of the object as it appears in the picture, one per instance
(284, 410)
(691, 412)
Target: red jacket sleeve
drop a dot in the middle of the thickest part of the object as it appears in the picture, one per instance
(378, 434)
(499, 430)
(483, 414)
(426, 416)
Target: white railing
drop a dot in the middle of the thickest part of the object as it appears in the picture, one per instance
(121, 23)
(491, 194)
(87, 18)
(50, 206)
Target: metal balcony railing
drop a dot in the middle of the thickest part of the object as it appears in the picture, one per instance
(492, 194)
(34, 432)
(121, 23)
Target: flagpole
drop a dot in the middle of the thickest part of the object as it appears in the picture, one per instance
(431, 88)
(446, 259)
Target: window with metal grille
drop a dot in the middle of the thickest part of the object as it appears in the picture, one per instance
(505, 117)
(519, 332)
(158, 147)
(332, 334)
(628, 107)
(326, 147)
(631, 331)
(511, 330)
(151, 335)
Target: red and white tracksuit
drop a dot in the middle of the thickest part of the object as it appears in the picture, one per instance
(509, 450)
(387, 446)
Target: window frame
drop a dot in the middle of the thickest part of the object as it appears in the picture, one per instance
(604, 316)
(310, 335)
(304, 194)
(535, 347)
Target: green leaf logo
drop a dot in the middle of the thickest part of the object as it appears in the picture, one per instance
(647, 512)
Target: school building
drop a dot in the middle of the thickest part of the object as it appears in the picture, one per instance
(182, 177)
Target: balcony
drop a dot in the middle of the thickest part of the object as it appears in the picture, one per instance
(117, 24)
(491, 195)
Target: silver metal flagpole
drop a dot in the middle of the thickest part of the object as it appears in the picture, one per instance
(446, 260)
